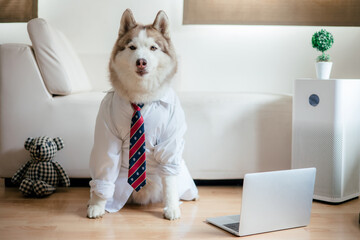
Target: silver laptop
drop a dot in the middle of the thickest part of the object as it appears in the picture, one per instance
(272, 201)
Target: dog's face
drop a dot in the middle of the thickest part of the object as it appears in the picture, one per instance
(143, 60)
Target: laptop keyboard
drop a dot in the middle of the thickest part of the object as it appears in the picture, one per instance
(233, 226)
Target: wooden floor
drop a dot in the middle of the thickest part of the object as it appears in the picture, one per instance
(63, 216)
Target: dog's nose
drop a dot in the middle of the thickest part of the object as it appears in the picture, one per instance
(141, 63)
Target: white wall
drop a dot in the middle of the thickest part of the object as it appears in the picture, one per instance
(213, 57)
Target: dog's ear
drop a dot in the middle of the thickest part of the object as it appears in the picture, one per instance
(127, 22)
(161, 24)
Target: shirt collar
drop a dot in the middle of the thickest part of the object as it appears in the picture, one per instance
(168, 97)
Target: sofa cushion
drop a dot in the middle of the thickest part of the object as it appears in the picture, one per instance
(60, 66)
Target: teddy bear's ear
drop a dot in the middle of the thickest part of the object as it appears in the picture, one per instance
(28, 143)
(59, 143)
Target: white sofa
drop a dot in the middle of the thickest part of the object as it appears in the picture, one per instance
(44, 91)
(230, 134)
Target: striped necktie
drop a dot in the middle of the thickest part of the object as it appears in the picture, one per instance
(137, 163)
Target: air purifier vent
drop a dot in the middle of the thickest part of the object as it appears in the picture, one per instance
(326, 128)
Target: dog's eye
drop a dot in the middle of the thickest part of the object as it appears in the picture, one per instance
(153, 48)
(132, 47)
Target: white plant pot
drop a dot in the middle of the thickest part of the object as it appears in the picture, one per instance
(323, 70)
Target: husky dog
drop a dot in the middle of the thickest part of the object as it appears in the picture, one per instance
(142, 64)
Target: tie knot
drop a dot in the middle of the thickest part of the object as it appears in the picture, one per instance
(137, 107)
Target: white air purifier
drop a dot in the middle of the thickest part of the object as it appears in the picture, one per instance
(326, 135)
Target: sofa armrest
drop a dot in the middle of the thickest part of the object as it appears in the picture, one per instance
(19, 73)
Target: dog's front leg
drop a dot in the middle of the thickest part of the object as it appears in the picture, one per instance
(96, 206)
(170, 198)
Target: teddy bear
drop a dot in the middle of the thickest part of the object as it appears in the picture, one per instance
(40, 176)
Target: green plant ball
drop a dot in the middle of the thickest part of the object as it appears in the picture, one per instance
(322, 40)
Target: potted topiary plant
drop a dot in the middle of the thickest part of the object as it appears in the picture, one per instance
(322, 41)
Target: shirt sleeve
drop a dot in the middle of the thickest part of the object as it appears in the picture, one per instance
(169, 148)
(105, 159)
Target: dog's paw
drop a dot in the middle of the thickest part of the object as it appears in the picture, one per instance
(196, 198)
(95, 211)
(172, 212)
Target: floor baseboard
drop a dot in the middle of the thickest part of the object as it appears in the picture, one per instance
(84, 182)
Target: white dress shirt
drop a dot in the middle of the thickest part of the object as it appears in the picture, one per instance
(164, 130)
